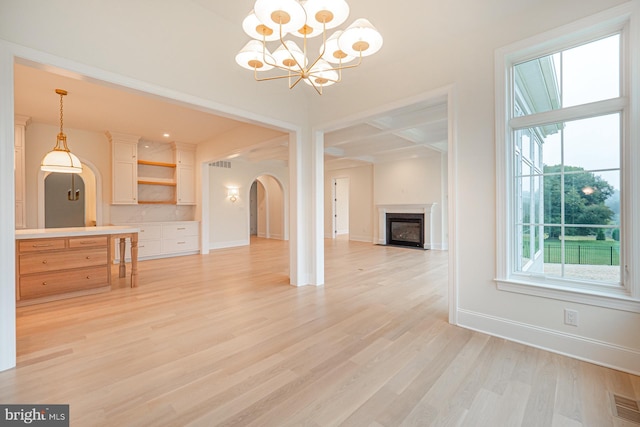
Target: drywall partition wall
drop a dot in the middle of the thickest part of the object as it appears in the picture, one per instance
(229, 220)
(360, 201)
(92, 146)
(466, 60)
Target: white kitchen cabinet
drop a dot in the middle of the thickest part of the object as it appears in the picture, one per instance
(185, 156)
(124, 162)
(166, 239)
(20, 126)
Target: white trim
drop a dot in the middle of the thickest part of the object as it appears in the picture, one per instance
(590, 350)
(229, 244)
(595, 298)
(577, 112)
(7, 214)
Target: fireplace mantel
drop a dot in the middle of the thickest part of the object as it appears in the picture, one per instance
(406, 208)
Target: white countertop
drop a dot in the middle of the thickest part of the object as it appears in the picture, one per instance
(43, 233)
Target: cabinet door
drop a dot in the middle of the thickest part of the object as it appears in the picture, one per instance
(185, 158)
(125, 173)
(185, 181)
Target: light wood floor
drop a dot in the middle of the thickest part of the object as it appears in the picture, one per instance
(223, 340)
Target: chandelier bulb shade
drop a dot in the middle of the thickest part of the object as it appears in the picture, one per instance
(252, 57)
(60, 159)
(271, 21)
(360, 38)
(257, 30)
(332, 51)
(288, 14)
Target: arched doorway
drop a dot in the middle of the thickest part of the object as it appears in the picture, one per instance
(90, 197)
(267, 208)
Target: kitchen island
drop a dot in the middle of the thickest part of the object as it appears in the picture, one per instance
(56, 263)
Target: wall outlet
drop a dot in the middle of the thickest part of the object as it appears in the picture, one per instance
(570, 317)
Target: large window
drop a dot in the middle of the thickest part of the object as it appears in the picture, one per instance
(569, 142)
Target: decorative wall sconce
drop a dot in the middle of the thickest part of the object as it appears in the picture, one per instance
(233, 193)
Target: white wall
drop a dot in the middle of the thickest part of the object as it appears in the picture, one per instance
(360, 202)
(229, 221)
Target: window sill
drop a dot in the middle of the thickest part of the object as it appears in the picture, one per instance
(617, 301)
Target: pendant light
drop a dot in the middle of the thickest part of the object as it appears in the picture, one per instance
(60, 159)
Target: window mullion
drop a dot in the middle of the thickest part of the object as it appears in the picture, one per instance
(570, 113)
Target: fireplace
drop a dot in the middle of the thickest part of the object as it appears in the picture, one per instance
(405, 229)
(416, 211)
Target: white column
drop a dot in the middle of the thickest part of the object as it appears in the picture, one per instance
(7, 215)
(306, 235)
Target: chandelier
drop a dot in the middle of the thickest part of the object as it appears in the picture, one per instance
(273, 20)
(60, 159)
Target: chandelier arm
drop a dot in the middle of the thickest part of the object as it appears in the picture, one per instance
(344, 67)
(324, 47)
(315, 87)
(264, 79)
(291, 86)
(302, 70)
(275, 65)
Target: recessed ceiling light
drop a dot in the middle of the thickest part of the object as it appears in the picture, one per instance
(166, 135)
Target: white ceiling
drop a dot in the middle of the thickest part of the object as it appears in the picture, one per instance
(417, 130)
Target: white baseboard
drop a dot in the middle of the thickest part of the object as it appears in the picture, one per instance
(231, 244)
(366, 239)
(276, 236)
(586, 349)
(437, 247)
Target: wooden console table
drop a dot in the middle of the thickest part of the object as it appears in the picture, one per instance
(56, 263)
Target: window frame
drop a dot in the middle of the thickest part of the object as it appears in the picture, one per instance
(622, 19)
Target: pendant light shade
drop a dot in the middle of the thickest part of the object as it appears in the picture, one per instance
(288, 13)
(255, 56)
(332, 52)
(60, 159)
(360, 38)
(326, 13)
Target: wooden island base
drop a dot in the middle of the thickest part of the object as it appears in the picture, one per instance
(60, 263)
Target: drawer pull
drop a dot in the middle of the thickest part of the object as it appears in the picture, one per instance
(93, 242)
(44, 283)
(181, 243)
(182, 228)
(44, 262)
(43, 245)
(88, 257)
(88, 277)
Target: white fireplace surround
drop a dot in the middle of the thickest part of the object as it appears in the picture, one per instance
(413, 208)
